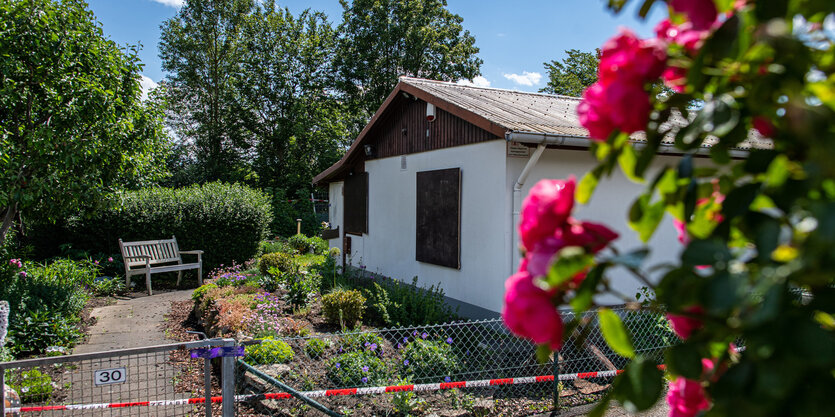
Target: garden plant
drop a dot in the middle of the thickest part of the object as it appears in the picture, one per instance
(751, 296)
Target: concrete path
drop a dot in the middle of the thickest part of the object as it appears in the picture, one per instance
(131, 322)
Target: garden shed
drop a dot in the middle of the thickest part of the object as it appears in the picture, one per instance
(433, 185)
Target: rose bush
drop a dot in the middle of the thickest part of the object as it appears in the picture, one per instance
(753, 90)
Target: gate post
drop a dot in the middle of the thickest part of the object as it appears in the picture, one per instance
(227, 377)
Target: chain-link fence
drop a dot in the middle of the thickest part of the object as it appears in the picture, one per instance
(147, 381)
(477, 367)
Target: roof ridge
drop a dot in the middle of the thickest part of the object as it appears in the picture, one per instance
(475, 87)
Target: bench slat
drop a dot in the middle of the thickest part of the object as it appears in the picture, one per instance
(167, 268)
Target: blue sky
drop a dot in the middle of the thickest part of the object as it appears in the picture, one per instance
(515, 37)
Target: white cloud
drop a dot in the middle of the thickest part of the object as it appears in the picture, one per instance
(478, 81)
(172, 3)
(529, 79)
(147, 85)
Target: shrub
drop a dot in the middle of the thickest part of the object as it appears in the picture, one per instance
(343, 307)
(357, 342)
(198, 294)
(318, 245)
(106, 286)
(315, 348)
(227, 221)
(299, 243)
(410, 305)
(269, 351)
(300, 285)
(356, 368)
(283, 261)
(32, 385)
(429, 360)
(379, 305)
(273, 246)
(230, 276)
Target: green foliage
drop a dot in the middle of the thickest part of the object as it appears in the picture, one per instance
(107, 286)
(410, 305)
(378, 306)
(382, 40)
(407, 402)
(318, 245)
(356, 342)
(572, 75)
(357, 368)
(201, 291)
(425, 360)
(299, 243)
(32, 385)
(269, 351)
(301, 285)
(284, 262)
(343, 307)
(73, 127)
(315, 348)
(273, 246)
(226, 221)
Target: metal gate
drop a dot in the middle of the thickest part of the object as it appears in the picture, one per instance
(128, 382)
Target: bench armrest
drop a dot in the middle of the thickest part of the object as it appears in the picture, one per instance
(191, 252)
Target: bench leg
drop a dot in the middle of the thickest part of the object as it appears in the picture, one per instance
(148, 282)
(200, 274)
(179, 277)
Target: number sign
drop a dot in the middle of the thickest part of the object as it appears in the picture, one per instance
(110, 376)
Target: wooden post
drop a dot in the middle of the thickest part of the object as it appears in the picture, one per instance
(298, 226)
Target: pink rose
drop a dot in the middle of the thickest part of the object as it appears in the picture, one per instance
(675, 78)
(538, 260)
(683, 237)
(591, 236)
(684, 34)
(529, 313)
(626, 57)
(764, 126)
(686, 398)
(702, 13)
(23, 274)
(621, 105)
(110, 259)
(593, 112)
(545, 209)
(685, 326)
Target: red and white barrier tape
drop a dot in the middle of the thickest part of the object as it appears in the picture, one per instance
(332, 392)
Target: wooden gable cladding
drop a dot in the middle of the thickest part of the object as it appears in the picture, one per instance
(403, 130)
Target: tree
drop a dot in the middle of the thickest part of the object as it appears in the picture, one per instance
(201, 48)
(72, 127)
(286, 96)
(380, 40)
(572, 75)
(752, 296)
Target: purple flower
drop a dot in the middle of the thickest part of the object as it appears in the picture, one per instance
(406, 362)
(405, 340)
(414, 333)
(447, 379)
(338, 365)
(399, 346)
(110, 259)
(96, 262)
(449, 340)
(424, 335)
(373, 347)
(364, 380)
(367, 344)
(365, 369)
(23, 274)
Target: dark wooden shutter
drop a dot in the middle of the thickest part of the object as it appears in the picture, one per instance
(439, 217)
(356, 204)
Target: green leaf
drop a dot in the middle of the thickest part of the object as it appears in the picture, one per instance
(543, 353)
(571, 260)
(586, 187)
(628, 160)
(632, 259)
(584, 296)
(684, 360)
(739, 200)
(615, 333)
(705, 252)
(639, 386)
(778, 172)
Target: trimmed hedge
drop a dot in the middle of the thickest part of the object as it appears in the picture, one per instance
(226, 221)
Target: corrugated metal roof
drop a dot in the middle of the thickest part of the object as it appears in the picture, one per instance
(540, 113)
(503, 111)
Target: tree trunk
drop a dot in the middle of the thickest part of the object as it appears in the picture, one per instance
(8, 218)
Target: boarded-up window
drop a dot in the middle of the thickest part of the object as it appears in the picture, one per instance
(439, 217)
(356, 204)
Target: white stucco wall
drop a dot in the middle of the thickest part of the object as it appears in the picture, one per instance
(389, 246)
(609, 205)
(488, 248)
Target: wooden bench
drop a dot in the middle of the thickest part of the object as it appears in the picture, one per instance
(148, 253)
